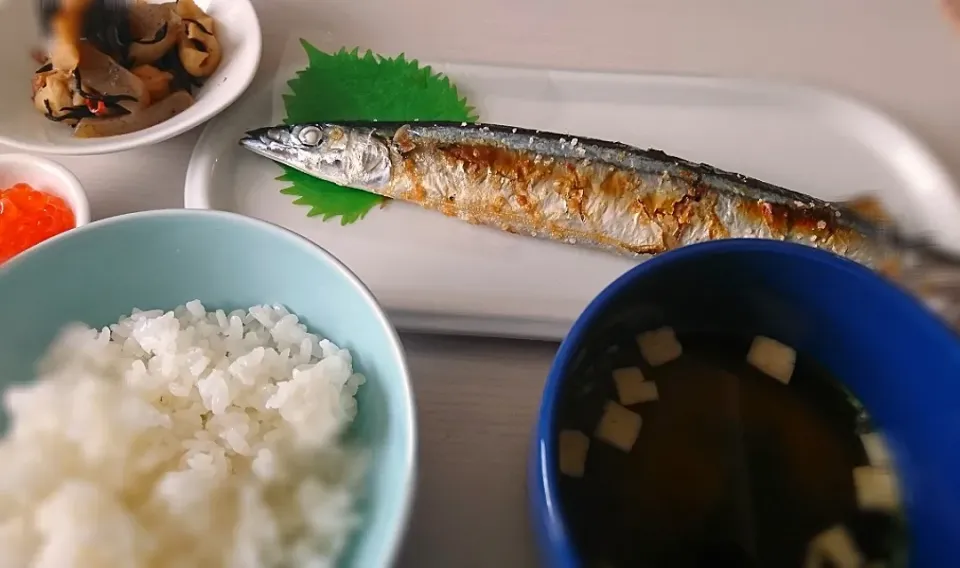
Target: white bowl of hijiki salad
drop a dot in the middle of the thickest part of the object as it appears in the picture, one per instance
(749, 403)
(82, 77)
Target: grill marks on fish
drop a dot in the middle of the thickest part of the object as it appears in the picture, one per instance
(581, 199)
(516, 192)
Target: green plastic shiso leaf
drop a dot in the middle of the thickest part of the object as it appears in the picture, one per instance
(348, 86)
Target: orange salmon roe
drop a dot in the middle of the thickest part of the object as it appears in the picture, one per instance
(29, 217)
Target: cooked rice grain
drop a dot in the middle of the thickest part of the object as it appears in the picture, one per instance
(182, 438)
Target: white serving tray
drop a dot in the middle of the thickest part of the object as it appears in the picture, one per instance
(437, 274)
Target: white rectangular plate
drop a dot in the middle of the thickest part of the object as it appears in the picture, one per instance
(438, 274)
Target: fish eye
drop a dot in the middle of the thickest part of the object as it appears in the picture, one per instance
(310, 136)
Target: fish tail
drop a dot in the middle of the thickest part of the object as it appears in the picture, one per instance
(933, 275)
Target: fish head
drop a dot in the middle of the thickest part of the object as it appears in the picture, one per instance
(344, 155)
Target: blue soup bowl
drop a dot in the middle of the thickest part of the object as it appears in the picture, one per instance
(162, 259)
(895, 356)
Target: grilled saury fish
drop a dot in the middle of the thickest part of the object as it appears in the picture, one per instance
(581, 191)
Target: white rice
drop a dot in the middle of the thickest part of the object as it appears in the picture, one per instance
(182, 438)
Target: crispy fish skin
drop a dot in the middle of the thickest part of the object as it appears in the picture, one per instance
(579, 191)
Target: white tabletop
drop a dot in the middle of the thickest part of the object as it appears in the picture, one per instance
(477, 399)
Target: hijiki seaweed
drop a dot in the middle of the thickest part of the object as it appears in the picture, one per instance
(157, 38)
(109, 31)
(96, 104)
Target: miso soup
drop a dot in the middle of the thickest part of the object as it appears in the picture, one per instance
(697, 450)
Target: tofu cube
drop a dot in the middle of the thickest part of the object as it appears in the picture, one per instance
(573, 446)
(836, 547)
(876, 449)
(876, 488)
(618, 426)
(632, 388)
(773, 358)
(659, 346)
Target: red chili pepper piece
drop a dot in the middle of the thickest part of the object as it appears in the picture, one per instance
(97, 107)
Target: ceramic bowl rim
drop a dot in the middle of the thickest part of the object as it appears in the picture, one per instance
(392, 547)
(70, 185)
(546, 513)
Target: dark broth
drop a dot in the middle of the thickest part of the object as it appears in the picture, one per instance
(731, 468)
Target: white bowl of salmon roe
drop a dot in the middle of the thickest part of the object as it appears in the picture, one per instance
(34, 194)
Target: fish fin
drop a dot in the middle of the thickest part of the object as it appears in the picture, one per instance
(869, 208)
